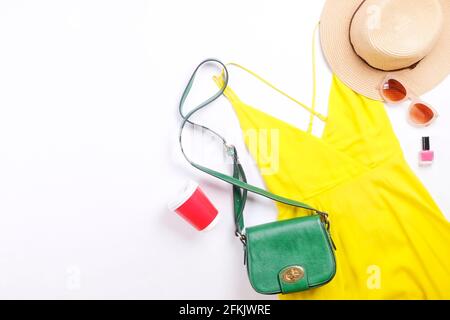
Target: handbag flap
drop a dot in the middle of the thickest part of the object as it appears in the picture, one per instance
(289, 256)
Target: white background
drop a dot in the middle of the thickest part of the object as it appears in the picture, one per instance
(88, 153)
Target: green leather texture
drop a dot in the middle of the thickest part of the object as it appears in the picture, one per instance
(273, 247)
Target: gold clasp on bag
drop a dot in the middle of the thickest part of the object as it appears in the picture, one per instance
(293, 274)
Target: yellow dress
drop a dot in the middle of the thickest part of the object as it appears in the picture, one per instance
(392, 240)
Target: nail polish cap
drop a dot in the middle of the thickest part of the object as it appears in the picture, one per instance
(425, 143)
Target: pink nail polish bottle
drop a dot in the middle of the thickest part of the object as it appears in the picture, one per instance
(426, 156)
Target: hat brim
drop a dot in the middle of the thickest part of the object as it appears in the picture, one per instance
(357, 74)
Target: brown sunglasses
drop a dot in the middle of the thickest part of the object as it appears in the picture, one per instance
(394, 92)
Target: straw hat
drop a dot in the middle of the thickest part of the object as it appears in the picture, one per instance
(363, 40)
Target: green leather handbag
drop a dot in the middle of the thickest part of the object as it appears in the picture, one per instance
(281, 257)
(289, 256)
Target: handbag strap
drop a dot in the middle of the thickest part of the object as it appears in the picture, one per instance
(238, 180)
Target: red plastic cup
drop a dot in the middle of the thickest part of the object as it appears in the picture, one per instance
(194, 207)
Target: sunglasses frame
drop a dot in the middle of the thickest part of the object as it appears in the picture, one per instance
(408, 96)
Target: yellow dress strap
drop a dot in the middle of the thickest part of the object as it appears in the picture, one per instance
(312, 110)
(266, 82)
(314, 79)
(228, 92)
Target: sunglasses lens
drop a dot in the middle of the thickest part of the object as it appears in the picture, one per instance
(421, 114)
(394, 90)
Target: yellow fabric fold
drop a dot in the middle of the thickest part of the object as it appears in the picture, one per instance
(393, 241)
